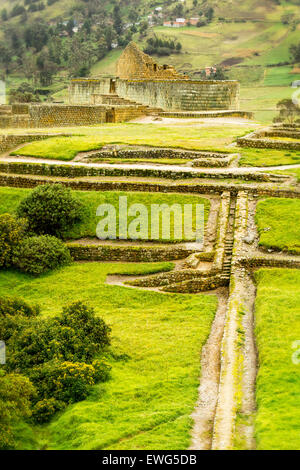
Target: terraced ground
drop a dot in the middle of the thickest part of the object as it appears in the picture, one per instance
(182, 313)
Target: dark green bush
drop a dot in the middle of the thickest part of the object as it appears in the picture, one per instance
(40, 254)
(77, 335)
(92, 333)
(15, 315)
(12, 230)
(51, 209)
(11, 306)
(65, 381)
(15, 393)
(57, 354)
(33, 345)
(44, 409)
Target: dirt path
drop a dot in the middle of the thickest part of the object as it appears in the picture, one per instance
(205, 409)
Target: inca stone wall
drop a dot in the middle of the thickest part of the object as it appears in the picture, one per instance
(53, 115)
(169, 95)
(135, 64)
(184, 95)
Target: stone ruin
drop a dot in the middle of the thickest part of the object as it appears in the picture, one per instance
(141, 87)
(141, 81)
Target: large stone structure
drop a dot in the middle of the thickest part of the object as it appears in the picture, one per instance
(135, 64)
(141, 80)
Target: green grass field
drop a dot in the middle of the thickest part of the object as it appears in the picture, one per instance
(10, 198)
(185, 135)
(267, 157)
(277, 224)
(277, 328)
(148, 401)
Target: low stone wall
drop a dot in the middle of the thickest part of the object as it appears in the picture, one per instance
(193, 286)
(206, 114)
(156, 153)
(254, 140)
(127, 253)
(255, 262)
(31, 181)
(71, 171)
(8, 142)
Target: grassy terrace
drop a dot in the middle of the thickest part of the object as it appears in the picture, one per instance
(267, 157)
(149, 399)
(186, 136)
(277, 221)
(11, 197)
(278, 381)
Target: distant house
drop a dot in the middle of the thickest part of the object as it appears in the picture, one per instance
(209, 71)
(178, 23)
(194, 21)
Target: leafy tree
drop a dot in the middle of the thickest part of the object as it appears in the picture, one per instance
(118, 24)
(295, 52)
(36, 35)
(288, 111)
(4, 15)
(25, 93)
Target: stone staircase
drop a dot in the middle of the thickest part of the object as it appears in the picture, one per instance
(229, 243)
(113, 99)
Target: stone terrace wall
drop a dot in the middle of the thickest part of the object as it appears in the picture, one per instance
(65, 115)
(53, 115)
(185, 95)
(129, 253)
(170, 95)
(82, 89)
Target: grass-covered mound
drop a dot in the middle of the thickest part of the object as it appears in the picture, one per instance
(277, 221)
(12, 197)
(278, 381)
(181, 136)
(149, 399)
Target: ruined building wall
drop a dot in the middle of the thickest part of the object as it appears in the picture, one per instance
(135, 64)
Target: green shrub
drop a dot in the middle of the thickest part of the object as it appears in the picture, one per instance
(15, 393)
(15, 315)
(32, 345)
(12, 306)
(12, 231)
(44, 409)
(40, 254)
(65, 381)
(93, 333)
(51, 209)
